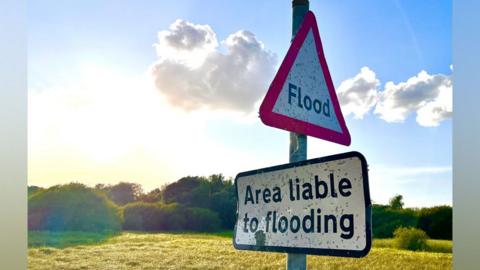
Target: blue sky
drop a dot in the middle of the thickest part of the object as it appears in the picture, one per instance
(78, 50)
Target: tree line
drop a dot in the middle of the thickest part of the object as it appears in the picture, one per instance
(192, 203)
(435, 221)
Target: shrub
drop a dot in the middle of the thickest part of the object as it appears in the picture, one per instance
(410, 238)
(122, 193)
(436, 222)
(168, 217)
(142, 216)
(226, 205)
(139, 216)
(202, 219)
(72, 207)
(33, 189)
(385, 220)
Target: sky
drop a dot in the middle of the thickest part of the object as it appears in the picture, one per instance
(151, 91)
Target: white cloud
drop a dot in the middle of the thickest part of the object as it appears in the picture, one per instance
(432, 113)
(359, 94)
(192, 73)
(429, 96)
(186, 43)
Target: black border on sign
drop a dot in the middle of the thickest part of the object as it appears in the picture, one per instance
(315, 251)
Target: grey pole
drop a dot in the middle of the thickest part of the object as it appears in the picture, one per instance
(298, 142)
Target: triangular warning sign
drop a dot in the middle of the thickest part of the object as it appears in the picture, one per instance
(302, 97)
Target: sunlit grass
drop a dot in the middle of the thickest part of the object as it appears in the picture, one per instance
(202, 251)
(66, 239)
(433, 245)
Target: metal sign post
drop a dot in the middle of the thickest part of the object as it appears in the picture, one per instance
(298, 142)
(319, 206)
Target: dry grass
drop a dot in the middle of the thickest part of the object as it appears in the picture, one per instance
(200, 251)
(433, 245)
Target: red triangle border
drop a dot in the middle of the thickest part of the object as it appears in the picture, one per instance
(273, 119)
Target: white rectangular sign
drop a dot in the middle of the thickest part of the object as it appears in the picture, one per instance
(318, 206)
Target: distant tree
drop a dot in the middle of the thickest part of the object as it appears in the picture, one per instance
(100, 186)
(201, 195)
(153, 196)
(385, 220)
(143, 216)
(123, 192)
(396, 202)
(436, 221)
(225, 204)
(217, 182)
(214, 192)
(181, 191)
(33, 189)
(202, 219)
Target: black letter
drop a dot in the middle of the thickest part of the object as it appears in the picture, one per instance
(304, 222)
(307, 193)
(290, 93)
(245, 220)
(290, 184)
(266, 195)
(327, 105)
(317, 106)
(277, 197)
(332, 186)
(334, 222)
(249, 195)
(300, 97)
(257, 193)
(297, 188)
(344, 185)
(253, 228)
(297, 226)
(319, 220)
(268, 219)
(274, 222)
(317, 188)
(308, 105)
(281, 228)
(349, 229)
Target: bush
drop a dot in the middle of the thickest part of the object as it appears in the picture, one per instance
(436, 222)
(168, 217)
(142, 216)
(72, 207)
(226, 205)
(139, 216)
(214, 192)
(202, 219)
(410, 238)
(386, 220)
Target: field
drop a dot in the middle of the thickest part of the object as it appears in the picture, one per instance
(204, 251)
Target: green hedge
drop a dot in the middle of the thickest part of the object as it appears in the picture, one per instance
(436, 222)
(72, 207)
(386, 220)
(142, 216)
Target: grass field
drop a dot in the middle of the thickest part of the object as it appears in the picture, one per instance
(203, 251)
(433, 245)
